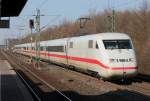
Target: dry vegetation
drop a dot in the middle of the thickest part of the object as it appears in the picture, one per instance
(136, 23)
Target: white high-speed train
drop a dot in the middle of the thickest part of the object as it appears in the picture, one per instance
(108, 55)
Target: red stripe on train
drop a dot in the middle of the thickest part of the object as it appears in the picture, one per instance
(122, 68)
(92, 61)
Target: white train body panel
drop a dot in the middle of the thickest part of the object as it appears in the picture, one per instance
(111, 55)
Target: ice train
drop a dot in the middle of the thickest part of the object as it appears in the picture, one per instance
(108, 55)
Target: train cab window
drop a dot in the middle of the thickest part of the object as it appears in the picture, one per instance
(117, 44)
(110, 44)
(124, 44)
(90, 44)
(97, 46)
(71, 45)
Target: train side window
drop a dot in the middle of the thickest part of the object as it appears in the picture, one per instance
(32, 48)
(71, 45)
(55, 48)
(44, 48)
(90, 44)
(41, 48)
(47, 48)
(97, 46)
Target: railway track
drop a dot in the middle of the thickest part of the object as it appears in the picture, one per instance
(143, 88)
(36, 95)
(138, 87)
(143, 77)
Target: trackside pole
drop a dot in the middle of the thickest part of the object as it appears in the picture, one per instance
(31, 25)
(37, 58)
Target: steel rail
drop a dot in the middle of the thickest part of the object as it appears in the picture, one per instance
(30, 88)
(47, 84)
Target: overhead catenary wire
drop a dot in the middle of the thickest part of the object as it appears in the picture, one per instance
(113, 6)
(127, 3)
(43, 15)
(42, 4)
(51, 21)
(33, 9)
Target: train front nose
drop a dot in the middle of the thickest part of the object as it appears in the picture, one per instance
(120, 58)
(119, 73)
(123, 68)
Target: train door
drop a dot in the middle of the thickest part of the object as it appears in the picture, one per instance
(47, 53)
(92, 53)
(69, 51)
(66, 53)
(89, 53)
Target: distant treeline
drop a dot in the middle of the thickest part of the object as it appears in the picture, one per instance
(135, 22)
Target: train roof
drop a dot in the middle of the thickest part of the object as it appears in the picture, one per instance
(100, 36)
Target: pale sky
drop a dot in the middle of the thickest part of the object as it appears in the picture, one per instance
(57, 10)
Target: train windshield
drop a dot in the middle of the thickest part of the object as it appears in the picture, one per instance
(117, 44)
